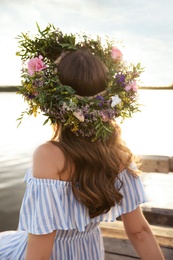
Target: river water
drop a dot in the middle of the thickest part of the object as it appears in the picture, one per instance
(149, 132)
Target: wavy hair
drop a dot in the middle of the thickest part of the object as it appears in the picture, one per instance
(94, 166)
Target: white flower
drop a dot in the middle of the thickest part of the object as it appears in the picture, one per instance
(64, 106)
(79, 115)
(115, 100)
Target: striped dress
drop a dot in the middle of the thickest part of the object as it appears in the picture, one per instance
(50, 205)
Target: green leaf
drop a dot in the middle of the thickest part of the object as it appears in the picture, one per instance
(46, 121)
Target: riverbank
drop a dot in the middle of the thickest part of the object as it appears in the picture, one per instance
(15, 88)
(8, 88)
(157, 87)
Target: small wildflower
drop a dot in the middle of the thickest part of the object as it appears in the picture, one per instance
(79, 115)
(132, 86)
(100, 99)
(116, 53)
(115, 100)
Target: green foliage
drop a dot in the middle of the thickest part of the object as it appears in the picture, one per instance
(86, 116)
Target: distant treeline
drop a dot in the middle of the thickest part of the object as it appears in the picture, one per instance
(8, 88)
(15, 88)
(157, 88)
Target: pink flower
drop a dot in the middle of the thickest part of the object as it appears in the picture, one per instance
(35, 94)
(105, 118)
(131, 86)
(35, 64)
(116, 53)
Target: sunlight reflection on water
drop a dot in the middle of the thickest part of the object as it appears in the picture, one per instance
(30, 133)
(148, 132)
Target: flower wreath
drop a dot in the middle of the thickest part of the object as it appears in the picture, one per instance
(42, 89)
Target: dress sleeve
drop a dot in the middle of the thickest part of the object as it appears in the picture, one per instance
(50, 205)
(133, 195)
(133, 192)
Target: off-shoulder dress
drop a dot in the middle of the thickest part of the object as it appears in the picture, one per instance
(50, 205)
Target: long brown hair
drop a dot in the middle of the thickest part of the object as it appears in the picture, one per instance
(84, 72)
(94, 166)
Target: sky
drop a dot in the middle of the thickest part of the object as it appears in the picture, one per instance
(145, 28)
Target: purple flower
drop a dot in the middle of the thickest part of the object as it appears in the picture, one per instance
(38, 82)
(107, 114)
(120, 78)
(101, 99)
(31, 95)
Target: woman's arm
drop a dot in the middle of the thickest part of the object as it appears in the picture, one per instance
(141, 236)
(46, 163)
(39, 247)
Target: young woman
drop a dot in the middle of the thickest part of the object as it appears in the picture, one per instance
(85, 174)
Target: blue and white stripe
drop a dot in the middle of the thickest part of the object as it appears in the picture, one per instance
(50, 205)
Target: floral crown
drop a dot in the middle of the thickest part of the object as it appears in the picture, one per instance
(43, 91)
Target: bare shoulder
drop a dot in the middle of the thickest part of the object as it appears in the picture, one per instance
(48, 149)
(48, 161)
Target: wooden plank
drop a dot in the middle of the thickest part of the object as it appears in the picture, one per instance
(164, 235)
(119, 249)
(118, 257)
(171, 164)
(117, 246)
(161, 217)
(154, 163)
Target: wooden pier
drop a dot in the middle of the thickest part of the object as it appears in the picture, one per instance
(158, 182)
(118, 247)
